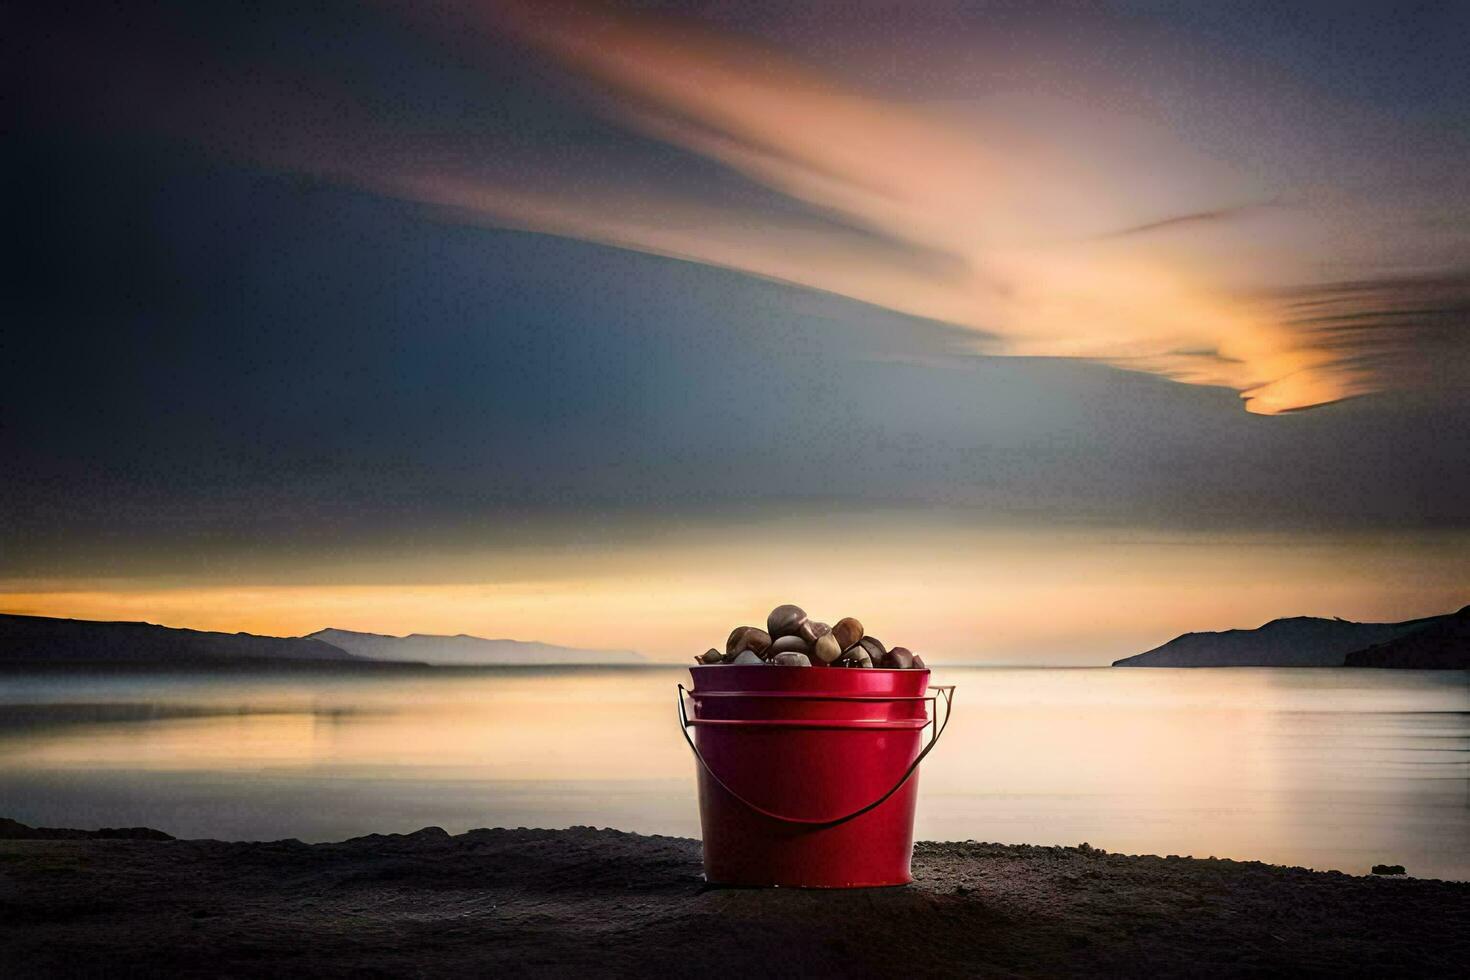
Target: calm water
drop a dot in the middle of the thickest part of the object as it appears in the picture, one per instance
(1323, 768)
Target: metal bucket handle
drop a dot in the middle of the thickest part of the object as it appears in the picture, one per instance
(946, 691)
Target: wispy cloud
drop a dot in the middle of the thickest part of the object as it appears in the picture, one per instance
(1012, 216)
(1393, 332)
(1079, 231)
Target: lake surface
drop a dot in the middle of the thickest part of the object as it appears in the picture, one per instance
(1321, 768)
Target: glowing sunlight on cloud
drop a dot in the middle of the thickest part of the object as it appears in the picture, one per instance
(1022, 221)
(1088, 226)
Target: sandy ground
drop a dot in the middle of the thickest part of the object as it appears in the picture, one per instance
(601, 902)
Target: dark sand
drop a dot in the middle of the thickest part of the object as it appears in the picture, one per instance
(600, 902)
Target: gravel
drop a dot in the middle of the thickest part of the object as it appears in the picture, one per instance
(603, 902)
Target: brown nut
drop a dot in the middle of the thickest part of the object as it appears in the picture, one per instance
(785, 621)
(856, 656)
(811, 630)
(875, 648)
(790, 659)
(899, 658)
(848, 631)
(788, 644)
(710, 656)
(826, 648)
(919, 663)
(751, 638)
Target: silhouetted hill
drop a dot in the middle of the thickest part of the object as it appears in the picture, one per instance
(1442, 645)
(41, 639)
(15, 830)
(467, 650)
(1302, 641)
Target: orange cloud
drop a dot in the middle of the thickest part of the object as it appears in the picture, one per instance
(1078, 228)
(1021, 225)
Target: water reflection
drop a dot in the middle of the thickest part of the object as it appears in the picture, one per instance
(1326, 768)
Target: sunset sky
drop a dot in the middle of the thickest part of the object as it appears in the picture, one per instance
(1025, 333)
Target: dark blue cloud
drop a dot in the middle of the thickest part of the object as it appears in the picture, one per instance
(204, 351)
(198, 351)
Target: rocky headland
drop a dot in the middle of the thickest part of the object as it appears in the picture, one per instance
(1441, 642)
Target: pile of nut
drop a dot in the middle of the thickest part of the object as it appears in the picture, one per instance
(790, 639)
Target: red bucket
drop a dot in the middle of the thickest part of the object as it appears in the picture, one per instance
(808, 776)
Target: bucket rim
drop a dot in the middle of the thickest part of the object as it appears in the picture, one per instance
(840, 670)
(810, 696)
(880, 682)
(881, 724)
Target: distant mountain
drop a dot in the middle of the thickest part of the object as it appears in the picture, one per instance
(467, 650)
(1303, 641)
(41, 639)
(1442, 645)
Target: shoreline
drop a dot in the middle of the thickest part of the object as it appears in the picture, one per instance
(552, 902)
